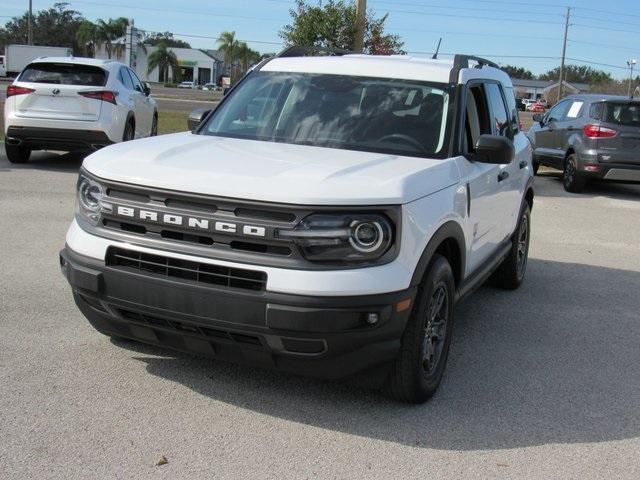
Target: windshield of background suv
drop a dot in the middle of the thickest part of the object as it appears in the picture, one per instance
(401, 117)
(622, 113)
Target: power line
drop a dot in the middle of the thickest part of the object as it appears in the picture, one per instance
(475, 17)
(449, 7)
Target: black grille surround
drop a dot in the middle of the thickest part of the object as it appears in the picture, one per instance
(270, 250)
(185, 270)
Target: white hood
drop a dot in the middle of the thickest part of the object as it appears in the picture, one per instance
(271, 172)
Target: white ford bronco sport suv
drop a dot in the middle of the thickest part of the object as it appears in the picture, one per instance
(324, 219)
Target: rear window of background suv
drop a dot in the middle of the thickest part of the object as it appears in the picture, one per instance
(64, 74)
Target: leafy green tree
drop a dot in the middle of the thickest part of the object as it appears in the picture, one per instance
(229, 46)
(166, 38)
(163, 59)
(578, 74)
(518, 72)
(107, 32)
(54, 27)
(247, 56)
(332, 25)
(86, 37)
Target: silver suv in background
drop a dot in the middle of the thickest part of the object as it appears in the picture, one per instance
(589, 137)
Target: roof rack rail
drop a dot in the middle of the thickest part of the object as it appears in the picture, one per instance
(462, 61)
(306, 51)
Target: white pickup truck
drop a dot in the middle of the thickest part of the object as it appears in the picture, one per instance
(324, 219)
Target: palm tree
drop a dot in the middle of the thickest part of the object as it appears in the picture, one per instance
(86, 37)
(107, 32)
(163, 59)
(229, 46)
(246, 56)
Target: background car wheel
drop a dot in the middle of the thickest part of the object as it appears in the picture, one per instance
(17, 154)
(129, 132)
(420, 364)
(571, 179)
(154, 126)
(510, 273)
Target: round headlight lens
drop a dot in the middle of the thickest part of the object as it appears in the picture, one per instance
(90, 194)
(366, 236)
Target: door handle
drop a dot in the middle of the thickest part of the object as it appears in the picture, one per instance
(523, 164)
(503, 175)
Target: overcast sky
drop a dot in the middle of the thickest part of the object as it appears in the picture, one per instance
(602, 32)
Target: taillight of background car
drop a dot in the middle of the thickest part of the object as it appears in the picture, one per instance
(104, 95)
(16, 90)
(593, 130)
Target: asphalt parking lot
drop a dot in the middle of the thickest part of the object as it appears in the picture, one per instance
(543, 382)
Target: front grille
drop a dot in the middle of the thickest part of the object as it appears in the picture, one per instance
(185, 270)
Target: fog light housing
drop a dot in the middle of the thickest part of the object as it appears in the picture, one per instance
(372, 318)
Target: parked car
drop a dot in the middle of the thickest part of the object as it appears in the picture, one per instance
(589, 137)
(75, 104)
(330, 232)
(527, 102)
(535, 107)
(186, 85)
(212, 87)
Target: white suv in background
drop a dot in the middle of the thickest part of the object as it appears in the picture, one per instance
(75, 104)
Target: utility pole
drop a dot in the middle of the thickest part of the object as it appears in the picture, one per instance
(631, 64)
(30, 24)
(361, 11)
(564, 51)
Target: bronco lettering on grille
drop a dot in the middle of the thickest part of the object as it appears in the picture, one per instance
(185, 221)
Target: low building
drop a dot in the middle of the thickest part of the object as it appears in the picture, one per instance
(536, 89)
(199, 66)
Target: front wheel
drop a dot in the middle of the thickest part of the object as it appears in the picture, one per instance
(17, 154)
(154, 126)
(510, 273)
(420, 364)
(129, 132)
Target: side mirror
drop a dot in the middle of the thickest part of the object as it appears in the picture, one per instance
(538, 118)
(146, 89)
(196, 117)
(494, 149)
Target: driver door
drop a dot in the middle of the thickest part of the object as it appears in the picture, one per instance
(485, 214)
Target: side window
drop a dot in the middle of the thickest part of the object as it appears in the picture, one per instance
(499, 117)
(513, 109)
(135, 81)
(558, 112)
(575, 110)
(595, 111)
(125, 79)
(476, 119)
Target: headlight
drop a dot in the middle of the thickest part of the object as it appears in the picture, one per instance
(89, 199)
(358, 237)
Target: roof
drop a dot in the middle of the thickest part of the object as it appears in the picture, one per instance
(520, 82)
(594, 97)
(98, 62)
(388, 66)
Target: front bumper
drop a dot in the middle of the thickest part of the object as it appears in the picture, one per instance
(327, 337)
(38, 138)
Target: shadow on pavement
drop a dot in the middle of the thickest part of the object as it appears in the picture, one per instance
(552, 187)
(555, 362)
(48, 161)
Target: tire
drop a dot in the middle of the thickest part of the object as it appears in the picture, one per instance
(510, 273)
(571, 179)
(154, 126)
(17, 154)
(129, 132)
(418, 369)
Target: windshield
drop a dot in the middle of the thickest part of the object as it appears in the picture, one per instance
(64, 74)
(400, 117)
